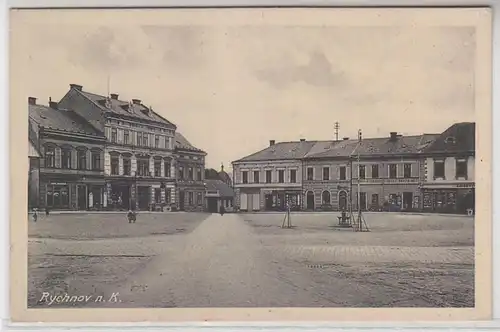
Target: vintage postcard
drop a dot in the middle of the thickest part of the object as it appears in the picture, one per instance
(250, 164)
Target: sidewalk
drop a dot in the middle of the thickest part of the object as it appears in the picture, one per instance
(42, 212)
(364, 212)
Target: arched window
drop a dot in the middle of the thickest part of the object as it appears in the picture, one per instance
(50, 156)
(325, 197)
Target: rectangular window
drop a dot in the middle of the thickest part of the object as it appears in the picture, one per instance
(50, 156)
(199, 174)
(139, 139)
(293, 176)
(181, 173)
(342, 172)
(190, 173)
(256, 176)
(244, 175)
(362, 171)
(157, 167)
(310, 173)
(143, 167)
(461, 169)
(115, 166)
(145, 141)
(167, 142)
(269, 176)
(82, 159)
(96, 160)
(393, 171)
(126, 137)
(438, 168)
(167, 166)
(113, 135)
(281, 176)
(326, 173)
(66, 158)
(157, 195)
(375, 171)
(167, 195)
(199, 198)
(126, 166)
(407, 171)
(157, 141)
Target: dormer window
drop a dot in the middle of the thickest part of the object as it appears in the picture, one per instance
(450, 140)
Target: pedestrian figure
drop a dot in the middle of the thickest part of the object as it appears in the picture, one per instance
(47, 211)
(35, 214)
(222, 210)
(132, 216)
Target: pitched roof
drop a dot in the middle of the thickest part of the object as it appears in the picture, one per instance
(460, 137)
(62, 120)
(125, 108)
(183, 144)
(221, 186)
(33, 136)
(281, 150)
(329, 149)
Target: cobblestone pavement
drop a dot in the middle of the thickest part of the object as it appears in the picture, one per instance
(228, 262)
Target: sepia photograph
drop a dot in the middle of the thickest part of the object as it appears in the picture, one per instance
(243, 158)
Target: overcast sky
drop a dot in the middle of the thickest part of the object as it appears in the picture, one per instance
(231, 88)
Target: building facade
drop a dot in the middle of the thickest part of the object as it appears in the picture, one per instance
(266, 180)
(34, 165)
(71, 167)
(190, 169)
(449, 173)
(219, 192)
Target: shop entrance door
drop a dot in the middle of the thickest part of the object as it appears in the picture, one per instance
(143, 198)
(407, 200)
(82, 197)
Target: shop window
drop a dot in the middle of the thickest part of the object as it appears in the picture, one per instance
(256, 177)
(438, 168)
(157, 168)
(375, 171)
(126, 166)
(293, 176)
(281, 176)
(66, 158)
(362, 171)
(342, 173)
(57, 196)
(310, 174)
(115, 165)
(244, 175)
(82, 159)
(50, 153)
(157, 195)
(269, 176)
(393, 169)
(461, 169)
(326, 173)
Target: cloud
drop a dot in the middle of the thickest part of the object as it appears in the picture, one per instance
(317, 72)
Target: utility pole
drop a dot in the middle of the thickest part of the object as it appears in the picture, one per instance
(336, 127)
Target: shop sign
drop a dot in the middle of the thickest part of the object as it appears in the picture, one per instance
(58, 183)
(465, 185)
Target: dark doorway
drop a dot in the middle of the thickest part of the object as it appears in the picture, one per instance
(212, 204)
(269, 201)
(82, 197)
(407, 200)
(181, 200)
(120, 196)
(362, 200)
(310, 200)
(342, 200)
(143, 194)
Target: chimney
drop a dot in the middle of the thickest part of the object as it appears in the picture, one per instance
(394, 135)
(53, 104)
(302, 139)
(136, 101)
(32, 100)
(114, 96)
(76, 87)
(345, 138)
(272, 142)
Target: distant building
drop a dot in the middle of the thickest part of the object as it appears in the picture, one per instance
(190, 168)
(218, 190)
(267, 179)
(72, 163)
(34, 155)
(449, 172)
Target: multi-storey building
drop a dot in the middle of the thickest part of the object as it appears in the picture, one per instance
(139, 162)
(267, 179)
(190, 168)
(219, 191)
(448, 182)
(71, 167)
(34, 165)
